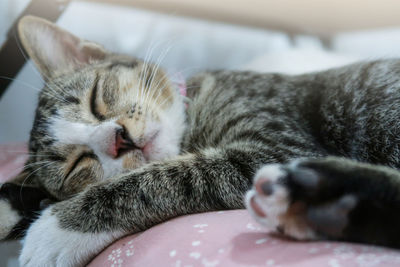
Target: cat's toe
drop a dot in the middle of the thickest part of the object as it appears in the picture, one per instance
(268, 198)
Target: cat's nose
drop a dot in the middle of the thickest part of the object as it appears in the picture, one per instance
(122, 143)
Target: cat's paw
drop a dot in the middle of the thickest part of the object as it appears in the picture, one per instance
(48, 244)
(294, 199)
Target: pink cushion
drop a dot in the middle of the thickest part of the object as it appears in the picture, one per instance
(12, 159)
(232, 238)
(223, 238)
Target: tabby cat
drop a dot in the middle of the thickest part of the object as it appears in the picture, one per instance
(115, 151)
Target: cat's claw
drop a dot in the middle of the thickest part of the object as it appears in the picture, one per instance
(47, 244)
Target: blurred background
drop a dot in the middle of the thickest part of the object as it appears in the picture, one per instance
(291, 36)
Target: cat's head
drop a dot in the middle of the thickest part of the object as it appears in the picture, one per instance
(99, 114)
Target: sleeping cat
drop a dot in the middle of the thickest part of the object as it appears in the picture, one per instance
(113, 146)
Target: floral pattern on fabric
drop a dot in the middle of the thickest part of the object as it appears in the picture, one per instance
(232, 238)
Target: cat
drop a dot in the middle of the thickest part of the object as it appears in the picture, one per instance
(114, 151)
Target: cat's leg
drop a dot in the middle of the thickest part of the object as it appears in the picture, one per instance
(19, 205)
(329, 198)
(71, 232)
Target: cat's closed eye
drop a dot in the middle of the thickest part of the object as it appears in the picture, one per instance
(84, 159)
(82, 167)
(93, 103)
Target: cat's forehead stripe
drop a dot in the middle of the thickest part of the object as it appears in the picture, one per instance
(110, 90)
(72, 100)
(132, 64)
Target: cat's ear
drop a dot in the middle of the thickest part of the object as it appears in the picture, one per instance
(55, 50)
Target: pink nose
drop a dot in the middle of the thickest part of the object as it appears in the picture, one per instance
(122, 144)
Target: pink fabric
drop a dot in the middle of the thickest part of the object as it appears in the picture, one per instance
(12, 159)
(223, 238)
(232, 238)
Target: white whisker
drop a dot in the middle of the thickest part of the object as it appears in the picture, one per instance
(142, 72)
(32, 87)
(162, 56)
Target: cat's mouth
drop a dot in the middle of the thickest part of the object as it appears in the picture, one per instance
(124, 150)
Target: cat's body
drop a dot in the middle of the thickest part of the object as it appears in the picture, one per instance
(236, 123)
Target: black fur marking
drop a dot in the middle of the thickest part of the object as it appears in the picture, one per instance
(279, 126)
(252, 135)
(72, 100)
(241, 162)
(53, 156)
(132, 64)
(291, 142)
(145, 200)
(276, 126)
(83, 156)
(46, 142)
(231, 123)
(186, 180)
(26, 201)
(273, 111)
(93, 97)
